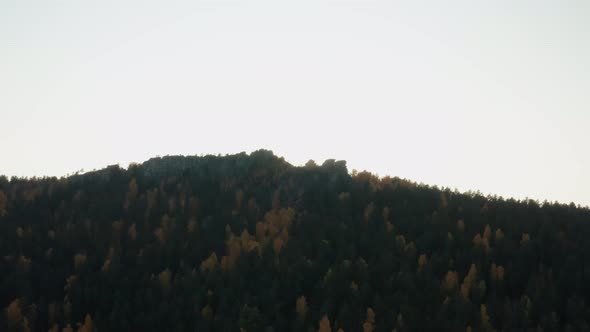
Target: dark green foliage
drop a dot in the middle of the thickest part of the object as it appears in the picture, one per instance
(228, 243)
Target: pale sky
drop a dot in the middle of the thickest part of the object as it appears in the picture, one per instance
(483, 95)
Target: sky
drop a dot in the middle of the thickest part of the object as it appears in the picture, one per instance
(475, 95)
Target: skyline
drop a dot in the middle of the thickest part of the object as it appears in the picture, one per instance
(467, 95)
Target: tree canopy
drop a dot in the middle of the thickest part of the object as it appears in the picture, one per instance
(251, 243)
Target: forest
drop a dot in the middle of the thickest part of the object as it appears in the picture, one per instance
(249, 242)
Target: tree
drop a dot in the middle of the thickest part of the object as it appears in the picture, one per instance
(422, 260)
(451, 281)
(3, 202)
(13, 313)
(485, 318)
(461, 225)
(165, 279)
(250, 319)
(88, 325)
(210, 264)
(131, 193)
(207, 313)
(301, 307)
(325, 325)
(369, 324)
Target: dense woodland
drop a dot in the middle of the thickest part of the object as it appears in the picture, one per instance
(252, 243)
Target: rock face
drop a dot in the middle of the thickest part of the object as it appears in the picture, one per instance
(170, 165)
(176, 165)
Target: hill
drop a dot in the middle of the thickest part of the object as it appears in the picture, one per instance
(252, 243)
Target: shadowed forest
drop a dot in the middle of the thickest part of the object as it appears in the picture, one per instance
(251, 243)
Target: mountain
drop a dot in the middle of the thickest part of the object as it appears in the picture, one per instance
(251, 243)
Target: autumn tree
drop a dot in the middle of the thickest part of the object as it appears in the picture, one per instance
(131, 193)
(13, 313)
(3, 202)
(451, 281)
(325, 325)
(369, 324)
(250, 319)
(210, 264)
(461, 225)
(301, 307)
(422, 260)
(88, 325)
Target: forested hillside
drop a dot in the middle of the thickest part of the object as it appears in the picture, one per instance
(252, 243)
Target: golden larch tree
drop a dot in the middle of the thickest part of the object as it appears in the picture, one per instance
(132, 232)
(3, 203)
(499, 234)
(79, 260)
(209, 264)
(88, 325)
(451, 281)
(525, 238)
(485, 318)
(13, 313)
(325, 325)
(191, 226)
(301, 307)
(422, 260)
(165, 279)
(369, 324)
(160, 235)
(468, 282)
(500, 273)
(368, 213)
(131, 193)
(207, 312)
(461, 225)
(239, 197)
(487, 232)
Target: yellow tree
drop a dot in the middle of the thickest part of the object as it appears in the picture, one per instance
(277, 245)
(499, 234)
(461, 225)
(13, 313)
(422, 260)
(88, 325)
(369, 324)
(165, 278)
(369, 212)
(301, 307)
(468, 282)
(500, 273)
(325, 325)
(451, 281)
(207, 312)
(210, 263)
(525, 238)
(485, 318)
(79, 260)
(191, 226)
(131, 193)
(386, 219)
(160, 235)
(132, 232)
(3, 202)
